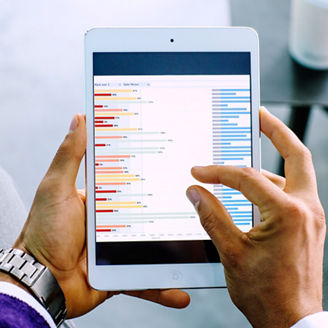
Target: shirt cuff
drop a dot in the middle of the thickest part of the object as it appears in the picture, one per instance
(15, 291)
(316, 320)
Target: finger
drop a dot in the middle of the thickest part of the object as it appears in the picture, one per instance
(214, 218)
(171, 297)
(251, 183)
(299, 169)
(274, 178)
(67, 161)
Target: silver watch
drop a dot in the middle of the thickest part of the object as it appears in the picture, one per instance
(37, 278)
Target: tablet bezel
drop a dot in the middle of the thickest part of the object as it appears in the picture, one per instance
(205, 39)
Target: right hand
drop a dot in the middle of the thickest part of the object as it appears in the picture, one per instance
(273, 272)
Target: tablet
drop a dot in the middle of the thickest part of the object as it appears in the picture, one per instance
(159, 101)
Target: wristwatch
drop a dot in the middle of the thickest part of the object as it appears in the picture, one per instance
(37, 278)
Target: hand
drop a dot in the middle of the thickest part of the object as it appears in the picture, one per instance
(273, 272)
(54, 232)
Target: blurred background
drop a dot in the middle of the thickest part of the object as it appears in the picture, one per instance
(41, 87)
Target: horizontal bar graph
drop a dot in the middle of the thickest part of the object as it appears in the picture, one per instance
(232, 145)
(134, 152)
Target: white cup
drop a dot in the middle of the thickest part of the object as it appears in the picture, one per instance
(308, 42)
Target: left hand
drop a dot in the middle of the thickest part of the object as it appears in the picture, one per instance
(54, 232)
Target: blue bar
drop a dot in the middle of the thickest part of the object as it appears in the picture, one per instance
(237, 131)
(224, 94)
(218, 163)
(241, 223)
(222, 139)
(231, 98)
(231, 193)
(234, 135)
(241, 216)
(231, 208)
(224, 155)
(236, 201)
(237, 112)
(213, 90)
(221, 105)
(226, 197)
(226, 124)
(241, 212)
(233, 159)
(220, 120)
(237, 147)
(224, 143)
(230, 108)
(222, 116)
(247, 219)
(230, 102)
(230, 151)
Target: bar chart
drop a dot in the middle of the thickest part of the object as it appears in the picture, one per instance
(232, 145)
(149, 131)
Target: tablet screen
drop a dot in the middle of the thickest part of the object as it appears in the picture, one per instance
(155, 116)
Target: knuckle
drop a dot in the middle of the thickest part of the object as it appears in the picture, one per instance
(295, 210)
(248, 174)
(304, 153)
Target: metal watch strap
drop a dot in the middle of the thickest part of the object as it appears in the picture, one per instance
(37, 278)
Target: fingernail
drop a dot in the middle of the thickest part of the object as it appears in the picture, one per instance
(74, 123)
(194, 197)
(264, 109)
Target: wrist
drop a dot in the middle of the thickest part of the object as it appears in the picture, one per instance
(15, 264)
(5, 277)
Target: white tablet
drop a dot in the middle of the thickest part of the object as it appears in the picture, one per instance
(159, 101)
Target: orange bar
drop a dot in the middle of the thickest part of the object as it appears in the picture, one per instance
(112, 226)
(108, 160)
(110, 183)
(113, 156)
(109, 137)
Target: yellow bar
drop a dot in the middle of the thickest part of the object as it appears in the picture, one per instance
(114, 175)
(116, 129)
(110, 207)
(114, 98)
(105, 203)
(112, 90)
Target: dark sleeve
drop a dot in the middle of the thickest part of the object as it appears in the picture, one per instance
(16, 314)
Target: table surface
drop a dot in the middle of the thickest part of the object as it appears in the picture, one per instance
(282, 79)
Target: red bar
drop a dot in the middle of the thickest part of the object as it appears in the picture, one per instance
(96, 121)
(103, 94)
(103, 230)
(105, 211)
(105, 117)
(105, 191)
(101, 199)
(97, 164)
(99, 106)
(100, 145)
(104, 125)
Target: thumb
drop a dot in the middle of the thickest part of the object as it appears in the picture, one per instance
(66, 162)
(214, 218)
